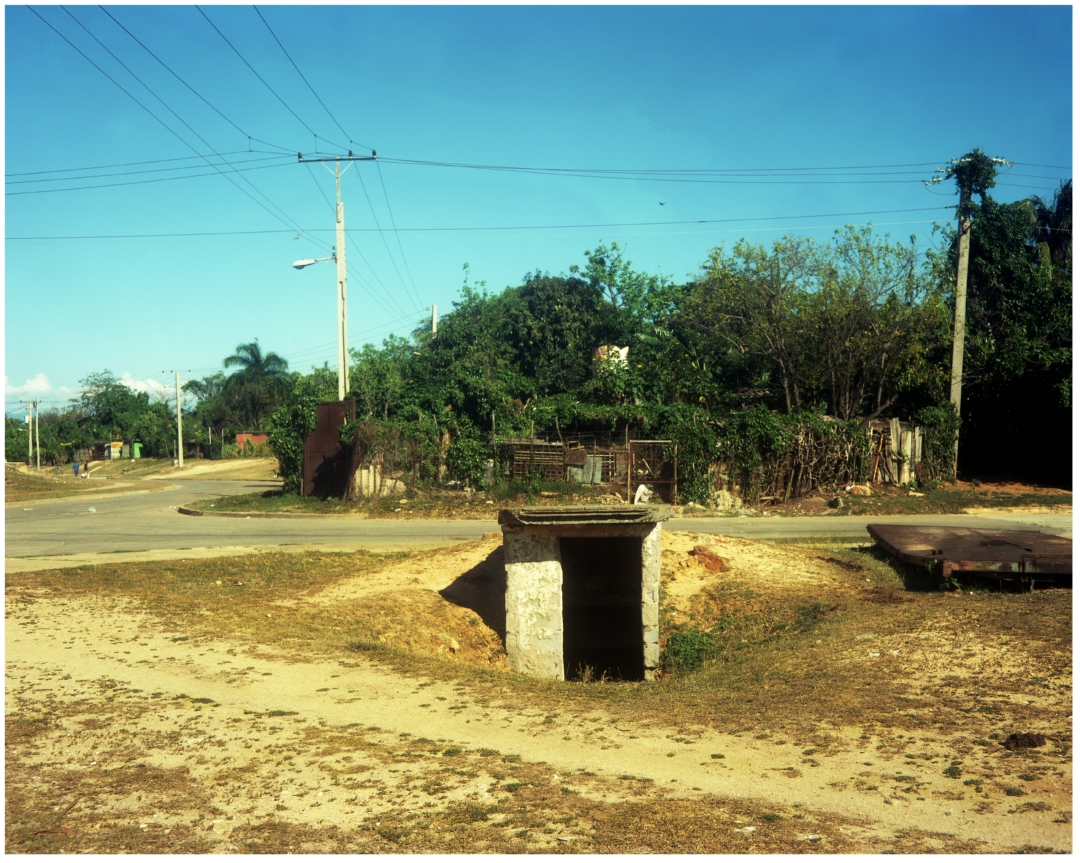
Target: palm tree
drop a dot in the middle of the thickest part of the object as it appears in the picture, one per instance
(259, 383)
(1052, 225)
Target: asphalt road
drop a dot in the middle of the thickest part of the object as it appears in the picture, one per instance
(149, 521)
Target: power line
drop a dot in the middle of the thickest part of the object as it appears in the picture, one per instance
(140, 104)
(716, 171)
(404, 260)
(386, 291)
(214, 173)
(305, 80)
(260, 77)
(130, 164)
(186, 84)
(146, 171)
(171, 111)
(370, 287)
(380, 230)
(506, 227)
(1033, 165)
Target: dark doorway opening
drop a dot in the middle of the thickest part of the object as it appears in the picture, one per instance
(602, 608)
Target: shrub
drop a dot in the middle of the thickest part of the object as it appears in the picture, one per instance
(686, 652)
(466, 461)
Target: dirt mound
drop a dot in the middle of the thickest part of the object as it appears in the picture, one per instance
(450, 601)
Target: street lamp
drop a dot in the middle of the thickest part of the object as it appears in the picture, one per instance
(307, 262)
(343, 346)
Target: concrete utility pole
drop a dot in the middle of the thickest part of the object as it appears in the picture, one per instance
(339, 257)
(37, 434)
(960, 318)
(973, 173)
(342, 301)
(434, 319)
(179, 426)
(30, 435)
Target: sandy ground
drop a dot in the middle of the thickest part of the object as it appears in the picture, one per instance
(239, 468)
(246, 722)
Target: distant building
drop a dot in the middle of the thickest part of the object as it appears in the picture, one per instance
(244, 438)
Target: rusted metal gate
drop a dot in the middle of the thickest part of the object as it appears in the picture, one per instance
(649, 466)
(326, 461)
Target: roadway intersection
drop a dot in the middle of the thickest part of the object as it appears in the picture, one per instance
(129, 526)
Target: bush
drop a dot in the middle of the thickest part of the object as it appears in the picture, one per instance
(686, 652)
(466, 461)
(940, 425)
(289, 427)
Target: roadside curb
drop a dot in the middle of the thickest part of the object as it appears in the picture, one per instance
(183, 510)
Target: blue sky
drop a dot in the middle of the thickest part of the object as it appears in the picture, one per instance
(712, 89)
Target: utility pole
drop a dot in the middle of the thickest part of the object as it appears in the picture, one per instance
(434, 319)
(37, 434)
(960, 316)
(179, 426)
(342, 301)
(30, 435)
(974, 173)
(339, 257)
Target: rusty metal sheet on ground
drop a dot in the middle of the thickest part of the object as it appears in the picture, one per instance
(1004, 553)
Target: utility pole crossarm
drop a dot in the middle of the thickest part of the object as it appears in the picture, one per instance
(300, 157)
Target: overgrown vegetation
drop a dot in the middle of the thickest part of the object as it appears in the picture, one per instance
(736, 367)
(739, 365)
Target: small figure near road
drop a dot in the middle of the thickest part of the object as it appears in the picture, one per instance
(76, 469)
(86, 467)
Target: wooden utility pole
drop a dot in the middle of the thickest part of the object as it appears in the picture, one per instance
(959, 320)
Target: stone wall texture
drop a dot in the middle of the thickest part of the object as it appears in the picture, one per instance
(534, 601)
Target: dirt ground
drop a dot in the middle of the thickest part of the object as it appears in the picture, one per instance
(237, 468)
(131, 727)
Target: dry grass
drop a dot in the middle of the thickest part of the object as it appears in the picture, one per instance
(935, 680)
(22, 487)
(776, 667)
(426, 798)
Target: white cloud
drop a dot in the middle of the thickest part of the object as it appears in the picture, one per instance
(35, 386)
(156, 389)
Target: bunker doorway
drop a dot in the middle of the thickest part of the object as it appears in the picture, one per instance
(602, 629)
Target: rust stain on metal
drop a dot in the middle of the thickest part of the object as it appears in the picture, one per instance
(1024, 555)
(326, 461)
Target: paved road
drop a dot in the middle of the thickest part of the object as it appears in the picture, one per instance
(143, 522)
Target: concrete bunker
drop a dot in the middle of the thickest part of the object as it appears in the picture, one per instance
(582, 590)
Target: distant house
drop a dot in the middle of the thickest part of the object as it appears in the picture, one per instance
(115, 449)
(244, 438)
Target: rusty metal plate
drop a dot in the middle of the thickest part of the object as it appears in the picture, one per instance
(326, 461)
(1006, 553)
(576, 456)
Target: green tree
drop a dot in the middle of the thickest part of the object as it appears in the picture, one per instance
(258, 385)
(871, 320)
(1018, 347)
(378, 377)
(749, 302)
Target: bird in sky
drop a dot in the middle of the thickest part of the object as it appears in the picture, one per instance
(662, 203)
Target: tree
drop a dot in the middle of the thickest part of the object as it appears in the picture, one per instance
(1018, 362)
(290, 425)
(378, 377)
(872, 319)
(259, 384)
(751, 301)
